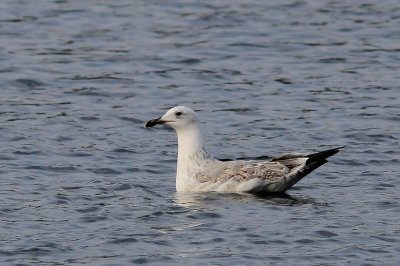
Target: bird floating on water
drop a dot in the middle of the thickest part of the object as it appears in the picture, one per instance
(198, 170)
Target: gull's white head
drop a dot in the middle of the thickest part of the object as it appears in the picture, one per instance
(177, 118)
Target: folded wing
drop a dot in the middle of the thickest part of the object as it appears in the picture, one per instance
(274, 176)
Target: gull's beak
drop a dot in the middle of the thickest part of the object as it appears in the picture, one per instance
(153, 122)
(157, 121)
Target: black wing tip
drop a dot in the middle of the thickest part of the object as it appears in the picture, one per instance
(312, 166)
(323, 155)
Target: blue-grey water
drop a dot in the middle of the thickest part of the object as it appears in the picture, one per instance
(82, 182)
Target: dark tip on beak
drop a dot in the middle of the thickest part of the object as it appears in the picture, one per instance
(153, 122)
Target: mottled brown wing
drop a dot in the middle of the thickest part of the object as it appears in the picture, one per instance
(242, 171)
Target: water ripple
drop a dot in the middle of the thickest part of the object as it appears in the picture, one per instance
(84, 183)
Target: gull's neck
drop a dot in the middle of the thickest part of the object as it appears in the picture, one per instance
(192, 155)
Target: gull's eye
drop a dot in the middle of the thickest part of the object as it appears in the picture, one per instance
(178, 114)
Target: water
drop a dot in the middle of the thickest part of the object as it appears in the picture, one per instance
(82, 182)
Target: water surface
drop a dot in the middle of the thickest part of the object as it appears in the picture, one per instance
(82, 182)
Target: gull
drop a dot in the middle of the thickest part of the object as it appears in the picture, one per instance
(197, 170)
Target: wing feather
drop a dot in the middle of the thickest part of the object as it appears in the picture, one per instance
(241, 171)
(275, 176)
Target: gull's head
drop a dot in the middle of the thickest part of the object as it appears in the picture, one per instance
(177, 117)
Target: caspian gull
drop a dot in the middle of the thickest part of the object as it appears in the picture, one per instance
(197, 170)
